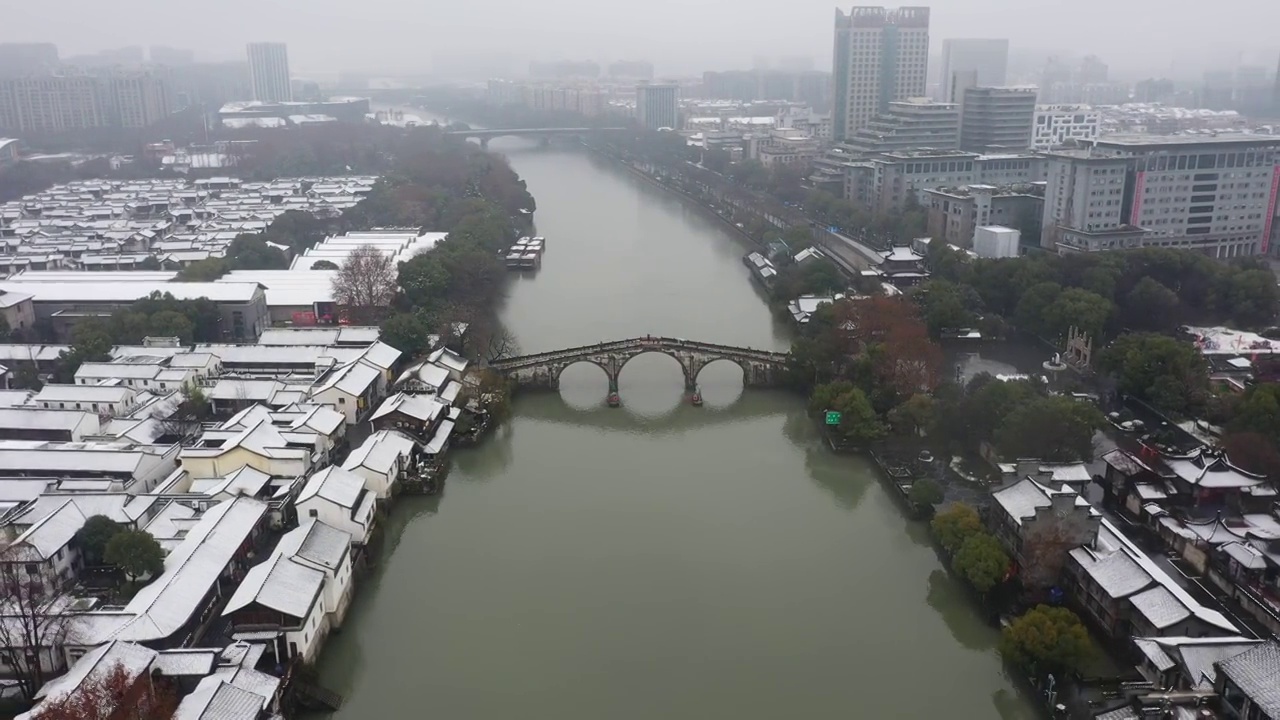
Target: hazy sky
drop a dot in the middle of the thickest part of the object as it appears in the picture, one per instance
(679, 36)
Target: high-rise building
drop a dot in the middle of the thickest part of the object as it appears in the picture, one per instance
(972, 63)
(22, 59)
(657, 106)
(269, 72)
(997, 119)
(881, 56)
(1214, 195)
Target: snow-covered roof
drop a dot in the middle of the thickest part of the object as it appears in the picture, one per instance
(53, 532)
(1256, 671)
(420, 407)
(381, 355)
(1206, 470)
(440, 437)
(381, 451)
(1160, 607)
(216, 699)
(339, 486)
(1116, 573)
(448, 359)
(278, 583)
(352, 379)
(1021, 499)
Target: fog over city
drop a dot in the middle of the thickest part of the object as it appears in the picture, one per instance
(679, 36)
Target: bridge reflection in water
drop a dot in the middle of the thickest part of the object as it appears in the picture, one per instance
(760, 368)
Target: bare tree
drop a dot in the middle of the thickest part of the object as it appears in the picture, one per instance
(501, 345)
(365, 283)
(36, 618)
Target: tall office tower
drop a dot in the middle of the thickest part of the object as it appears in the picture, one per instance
(269, 72)
(881, 56)
(997, 119)
(657, 106)
(22, 59)
(972, 63)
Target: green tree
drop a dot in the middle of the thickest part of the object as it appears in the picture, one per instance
(913, 415)
(989, 401)
(947, 306)
(858, 421)
(407, 332)
(1079, 308)
(1151, 306)
(1048, 640)
(981, 561)
(170, 323)
(135, 552)
(204, 270)
(251, 252)
(1054, 428)
(92, 538)
(925, 493)
(954, 525)
(1252, 298)
(1031, 307)
(1159, 369)
(1259, 411)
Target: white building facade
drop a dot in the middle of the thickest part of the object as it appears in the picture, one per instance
(1056, 125)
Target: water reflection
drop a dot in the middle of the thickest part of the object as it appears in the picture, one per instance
(956, 607)
(845, 478)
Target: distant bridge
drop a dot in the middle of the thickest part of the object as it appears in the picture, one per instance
(487, 134)
(760, 368)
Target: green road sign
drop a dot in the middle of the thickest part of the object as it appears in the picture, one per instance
(833, 417)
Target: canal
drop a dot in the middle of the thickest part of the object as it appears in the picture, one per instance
(657, 560)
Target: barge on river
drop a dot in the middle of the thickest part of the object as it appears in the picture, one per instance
(526, 253)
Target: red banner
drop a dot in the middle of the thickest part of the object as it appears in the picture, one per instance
(304, 318)
(1139, 185)
(1271, 211)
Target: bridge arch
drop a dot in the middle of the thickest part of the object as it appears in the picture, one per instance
(721, 359)
(559, 371)
(685, 370)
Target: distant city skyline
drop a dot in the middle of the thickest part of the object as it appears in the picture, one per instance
(382, 36)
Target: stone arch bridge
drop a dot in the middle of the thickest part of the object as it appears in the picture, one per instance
(484, 135)
(760, 368)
